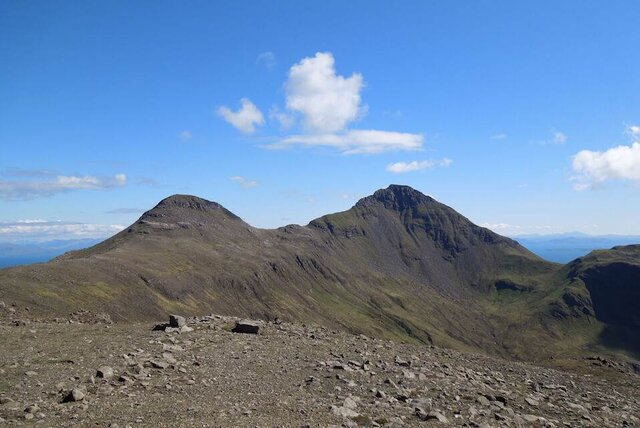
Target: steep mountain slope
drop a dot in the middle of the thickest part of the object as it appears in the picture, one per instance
(398, 264)
(612, 280)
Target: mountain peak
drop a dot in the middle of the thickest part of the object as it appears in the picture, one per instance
(183, 207)
(397, 197)
(187, 201)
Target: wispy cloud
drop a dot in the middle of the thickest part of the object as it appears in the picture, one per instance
(499, 136)
(46, 230)
(403, 167)
(30, 189)
(356, 141)
(285, 120)
(244, 182)
(559, 137)
(185, 135)
(514, 229)
(556, 138)
(125, 211)
(267, 59)
(246, 119)
(28, 173)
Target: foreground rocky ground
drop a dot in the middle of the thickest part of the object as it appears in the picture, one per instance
(84, 371)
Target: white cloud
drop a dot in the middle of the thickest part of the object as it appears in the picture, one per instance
(500, 136)
(121, 179)
(285, 120)
(46, 230)
(29, 189)
(357, 141)
(268, 59)
(559, 137)
(325, 104)
(185, 135)
(327, 101)
(634, 131)
(245, 119)
(593, 168)
(244, 182)
(402, 167)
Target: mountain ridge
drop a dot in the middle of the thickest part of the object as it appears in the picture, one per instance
(398, 264)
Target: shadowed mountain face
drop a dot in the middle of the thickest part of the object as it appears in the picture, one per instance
(398, 264)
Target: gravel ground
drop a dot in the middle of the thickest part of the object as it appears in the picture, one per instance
(90, 373)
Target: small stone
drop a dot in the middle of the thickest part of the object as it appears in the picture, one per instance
(104, 372)
(76, 394)
(31, 409)
(401, 362)
(483, 400)
(434, 415)
(531, 402)
(30, 373)
(169, 358)
(344, 412)
(158, 364)
(350, 403)
(408, 374)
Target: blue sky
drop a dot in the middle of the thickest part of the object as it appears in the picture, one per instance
(523, 117)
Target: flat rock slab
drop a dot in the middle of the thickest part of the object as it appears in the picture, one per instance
(247, 326)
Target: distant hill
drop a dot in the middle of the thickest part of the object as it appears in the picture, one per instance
(564, 247)
(398, 265)
(21, 253)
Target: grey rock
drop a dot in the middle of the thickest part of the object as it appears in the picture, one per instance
(483, 400)
(159, 364)
(247, 326)
(104, 372)
(344, 412)
(76, 394)
(177, 321)
(532, 402)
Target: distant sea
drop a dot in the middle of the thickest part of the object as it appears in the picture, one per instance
(563, 248)
(24, 253)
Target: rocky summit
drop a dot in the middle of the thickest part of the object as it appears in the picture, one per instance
(287, 375)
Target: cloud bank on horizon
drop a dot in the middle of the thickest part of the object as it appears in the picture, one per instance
(25, 185)
(44, 230)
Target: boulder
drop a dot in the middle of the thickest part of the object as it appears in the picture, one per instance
(247, 326)
(177, 321)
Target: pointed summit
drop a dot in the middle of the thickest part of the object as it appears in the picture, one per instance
(397, 197)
